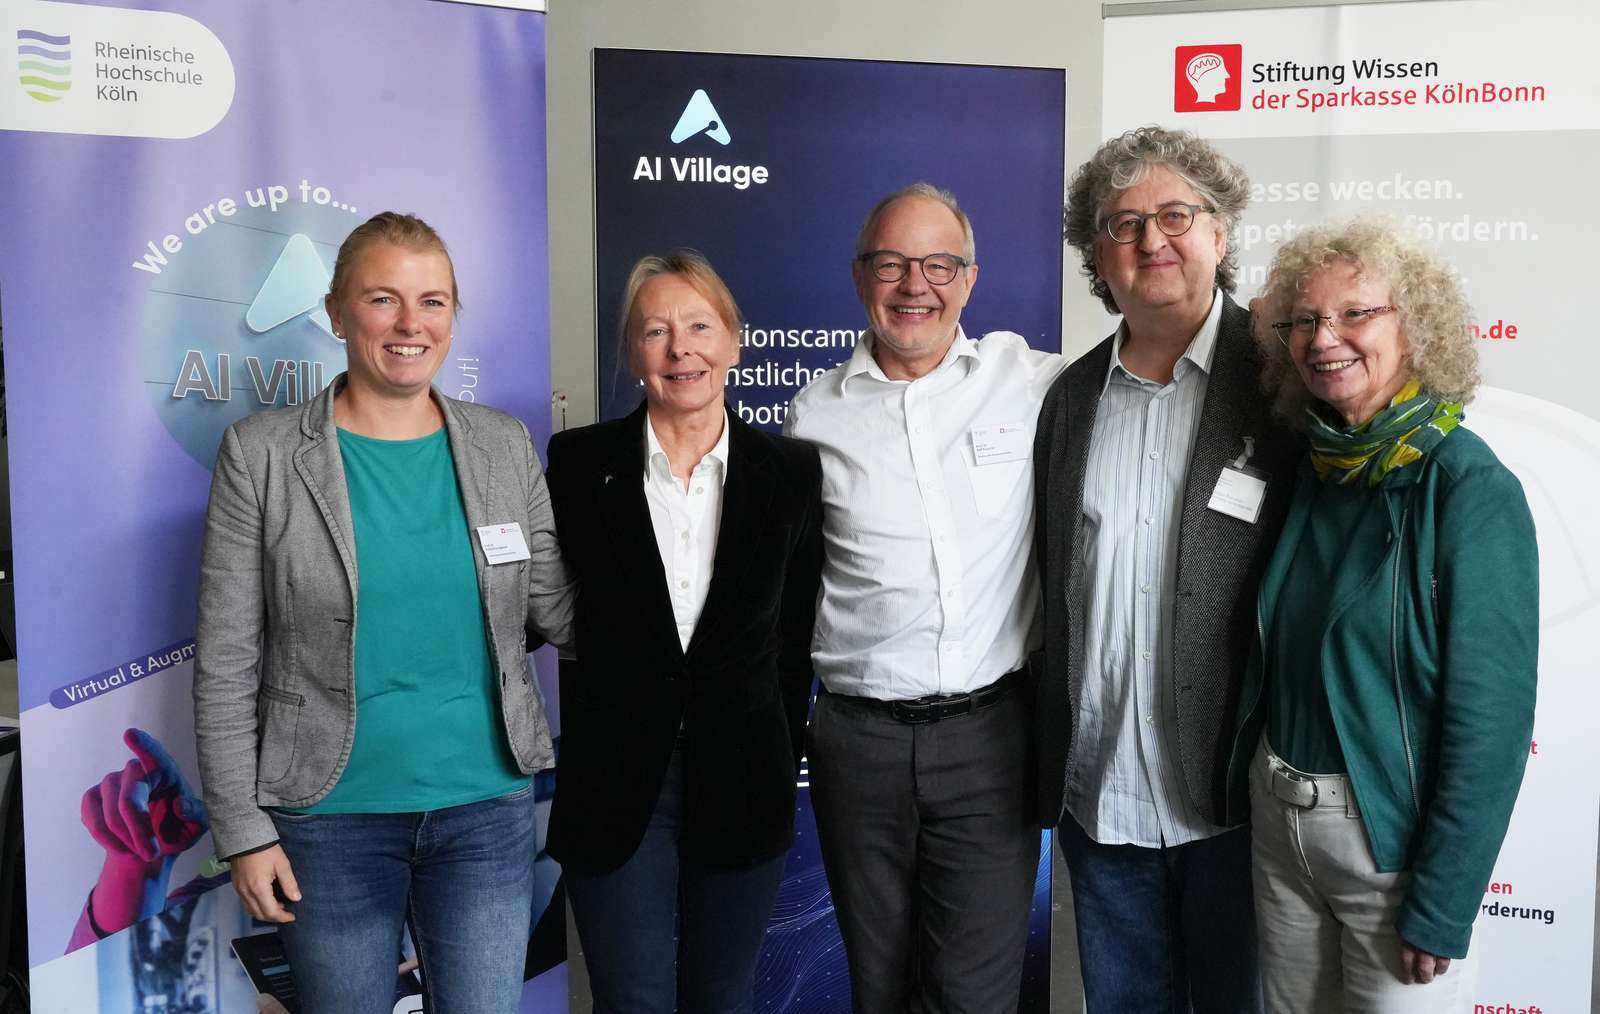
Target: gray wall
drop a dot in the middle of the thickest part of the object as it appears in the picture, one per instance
(1011, 33)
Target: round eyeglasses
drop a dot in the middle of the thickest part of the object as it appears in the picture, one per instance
(1173, 219)
(892, 265)
(1349, 321)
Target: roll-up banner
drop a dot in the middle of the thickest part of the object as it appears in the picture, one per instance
(177, 179)
(768, 165)
(1477, 126)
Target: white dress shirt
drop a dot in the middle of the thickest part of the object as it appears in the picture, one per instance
(928, 580)
(1124, 784)
(686, 522)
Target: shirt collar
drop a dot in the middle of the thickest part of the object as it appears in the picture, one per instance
(1200, 351)
(862, 360)
(655, 456)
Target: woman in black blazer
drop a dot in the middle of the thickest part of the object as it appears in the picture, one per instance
(696, 542)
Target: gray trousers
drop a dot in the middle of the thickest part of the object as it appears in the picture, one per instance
(1326, 914)
(929, 853)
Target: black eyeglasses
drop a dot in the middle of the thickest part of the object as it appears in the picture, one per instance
(1348, 321)
(892, 265)
(1173, 219)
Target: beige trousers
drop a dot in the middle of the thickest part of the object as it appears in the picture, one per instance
(1325, 914)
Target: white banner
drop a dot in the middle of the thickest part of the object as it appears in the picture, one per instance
(1478, 125)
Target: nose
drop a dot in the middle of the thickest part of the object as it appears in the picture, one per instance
(914, 281)
(409, 321)
(1151, 239)
(677, 342)
(1323, 335)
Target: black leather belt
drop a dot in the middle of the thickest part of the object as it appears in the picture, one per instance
(938, 707)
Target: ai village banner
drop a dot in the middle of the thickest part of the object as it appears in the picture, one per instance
(768, 165)
(1477, 125)
(178, 177)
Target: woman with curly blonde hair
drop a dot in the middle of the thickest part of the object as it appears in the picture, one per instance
(1388, 707)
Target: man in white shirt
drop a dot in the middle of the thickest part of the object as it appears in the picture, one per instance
(919, 742)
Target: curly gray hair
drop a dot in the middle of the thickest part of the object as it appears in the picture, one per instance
(1122, 162)
(1433, 311)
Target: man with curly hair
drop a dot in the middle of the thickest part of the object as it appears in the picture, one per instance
(1148, 575)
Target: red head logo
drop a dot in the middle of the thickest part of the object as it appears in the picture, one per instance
(1207, 78)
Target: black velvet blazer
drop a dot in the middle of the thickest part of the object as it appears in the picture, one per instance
(742, 689)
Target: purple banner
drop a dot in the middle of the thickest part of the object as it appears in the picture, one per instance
(178, 179)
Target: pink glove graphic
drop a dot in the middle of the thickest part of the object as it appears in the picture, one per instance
(144, 816)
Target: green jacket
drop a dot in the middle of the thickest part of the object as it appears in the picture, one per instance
(1429, 659)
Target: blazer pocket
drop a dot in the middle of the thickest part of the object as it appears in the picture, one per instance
(278, 728)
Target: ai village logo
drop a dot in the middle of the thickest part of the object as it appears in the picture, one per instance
(44, 64)
(699, 119)
(1210, 78)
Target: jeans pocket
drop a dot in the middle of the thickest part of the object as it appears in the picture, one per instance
(293, 817)
(517, 796)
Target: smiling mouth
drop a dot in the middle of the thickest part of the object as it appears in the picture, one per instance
(915, 312)
(1333, 367)
(405, 351)
(684, 378)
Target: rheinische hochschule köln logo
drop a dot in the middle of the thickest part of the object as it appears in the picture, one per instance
(1207, 78)
(700, 117)
(44, 64)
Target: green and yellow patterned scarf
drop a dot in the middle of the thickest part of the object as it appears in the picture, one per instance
(1402, 433)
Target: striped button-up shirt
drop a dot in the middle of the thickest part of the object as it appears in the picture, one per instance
(1123, 781)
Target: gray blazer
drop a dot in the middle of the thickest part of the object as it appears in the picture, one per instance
(274, 674)
(1220, 561)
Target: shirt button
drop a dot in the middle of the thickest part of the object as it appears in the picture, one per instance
(916, 429)
(1146, 656)
(685, 584)
(698, 490)
(1154, 455)
(1143, 589)
(1149, 521)
(1149, 719)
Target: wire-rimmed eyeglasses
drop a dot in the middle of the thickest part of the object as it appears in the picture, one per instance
(892, 265)
(1172, 219)
(1351, 320)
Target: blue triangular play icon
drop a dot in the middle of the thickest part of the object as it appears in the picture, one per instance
(700, 117)
(295, 285)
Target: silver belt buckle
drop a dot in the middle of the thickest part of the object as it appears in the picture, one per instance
(1293, 789)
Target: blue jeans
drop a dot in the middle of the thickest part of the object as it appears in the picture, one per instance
(462, 877)
(1164, 930)
(664, 933)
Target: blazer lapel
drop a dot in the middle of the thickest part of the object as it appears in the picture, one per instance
(1223, 420)
(1083, 404)
(747, 489)
(321, 468)
(475, 477)
(624, 522)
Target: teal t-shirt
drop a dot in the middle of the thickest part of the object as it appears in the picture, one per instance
(1300, 725)
(428, 728)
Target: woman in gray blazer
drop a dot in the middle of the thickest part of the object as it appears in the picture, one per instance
(365, 721)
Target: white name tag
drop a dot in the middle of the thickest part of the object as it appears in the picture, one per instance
(503, 543)
(994, 445)
(1239, 493)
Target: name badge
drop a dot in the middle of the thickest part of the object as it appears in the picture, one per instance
(995, 445)
(503, 543)
(1240, 492)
